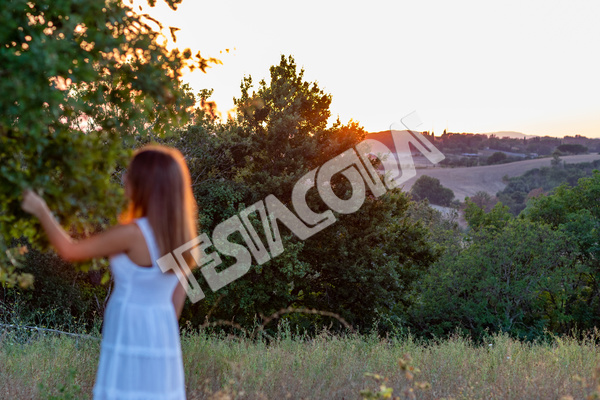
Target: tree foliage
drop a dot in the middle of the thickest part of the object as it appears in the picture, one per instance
(518, 189)
(523, 275)
(572, 148)
(365, 263)
(287, 120)
(514, 279)
(431, 189)
(497, 158)
(477, 218)
(574, 212)
(80, 80)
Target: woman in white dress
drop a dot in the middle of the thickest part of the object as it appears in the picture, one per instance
(140, 356)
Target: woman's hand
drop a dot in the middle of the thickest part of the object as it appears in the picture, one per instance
(32, 203)
(114, 241)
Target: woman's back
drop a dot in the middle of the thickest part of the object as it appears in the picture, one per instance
(142, 284)
(141, 351)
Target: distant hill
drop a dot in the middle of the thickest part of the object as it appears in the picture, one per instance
(510, 134)
(469, 180)
(384, 137)
(460, 148)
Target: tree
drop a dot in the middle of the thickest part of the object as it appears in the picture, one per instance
(497, 158)
(484, 200)
(522, 275)
(572, 148)
(556, 160)
(518, 278)
(574, 211)
(478, 218)
(369, 262)
(366, 262)
(287, 120)
(431, 189)
(519, 189)
(80, 80)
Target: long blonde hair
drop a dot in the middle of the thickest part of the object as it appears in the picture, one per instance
(161, 190)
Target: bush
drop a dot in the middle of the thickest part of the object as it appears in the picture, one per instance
(61, 298)
(572, 148)
(497, 158)
(431, 189)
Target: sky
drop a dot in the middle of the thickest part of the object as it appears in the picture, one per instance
(464, 66)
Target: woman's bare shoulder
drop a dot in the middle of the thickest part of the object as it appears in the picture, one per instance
(128, 229)
(129, 232)
(117, 239)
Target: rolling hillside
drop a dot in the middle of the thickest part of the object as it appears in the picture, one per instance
(469, 180)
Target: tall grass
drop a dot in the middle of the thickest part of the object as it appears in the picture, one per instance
(327, 366)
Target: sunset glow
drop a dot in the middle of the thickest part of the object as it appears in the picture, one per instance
(465, 66)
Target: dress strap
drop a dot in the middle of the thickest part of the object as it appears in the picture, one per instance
(148, 233)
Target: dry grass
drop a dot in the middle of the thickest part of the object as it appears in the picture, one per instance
(467, 181)
(326, 367)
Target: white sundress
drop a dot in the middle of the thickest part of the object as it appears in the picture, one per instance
(140, 353)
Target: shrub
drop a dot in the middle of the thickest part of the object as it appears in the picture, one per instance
(431, 189)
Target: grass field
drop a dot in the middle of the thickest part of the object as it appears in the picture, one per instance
(467, 181)
(326, 367)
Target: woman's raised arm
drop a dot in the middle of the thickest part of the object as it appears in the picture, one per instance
(115, 240)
